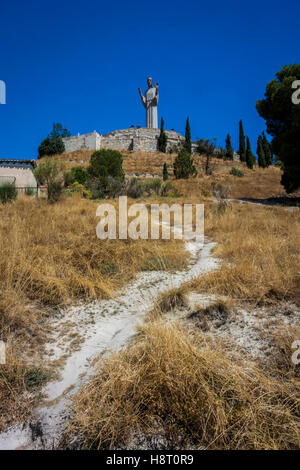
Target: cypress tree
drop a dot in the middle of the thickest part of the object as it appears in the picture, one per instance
(162, 139)
(250, 159)
(242, 147)
(267, 150)
(188, 140)
(165, 172)
(260, 153)
(229, 150)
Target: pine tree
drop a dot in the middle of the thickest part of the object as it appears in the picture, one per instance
(267, 150)
(250, 159)
(260, 153)
(229, 150)
(162, 139)
(242, 147)
(188, 141)
(165, 172)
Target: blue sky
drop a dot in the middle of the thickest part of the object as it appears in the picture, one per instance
(81, 62)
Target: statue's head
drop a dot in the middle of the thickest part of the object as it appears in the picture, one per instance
(150, 82)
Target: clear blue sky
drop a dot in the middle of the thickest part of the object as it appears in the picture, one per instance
(81, 62)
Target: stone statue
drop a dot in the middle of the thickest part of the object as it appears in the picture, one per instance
(150, 101)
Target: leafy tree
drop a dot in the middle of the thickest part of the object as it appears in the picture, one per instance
(242, 147)
(162, 139)
(188, 139)
(267, 150)
(53, 144)
(250, 159)
(79, 174)
(260, 153)
(51, 147)
(183, 165)
(106, 162)
(229, 150)
(49, 172)
(282, 117)
(165, 172)
(106, 175)
(58, 131)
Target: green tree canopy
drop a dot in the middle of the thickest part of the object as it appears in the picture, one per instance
(188, 138)
(165, 172)
(250, 159)
(260, 153)
(106, 162)
(162, 139)
(183, 165)
(53, 144)
(282, 117)
(242, 146)
(229, 149)
(267, 150)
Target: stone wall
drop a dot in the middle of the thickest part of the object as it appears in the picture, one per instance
(125, 139)
(84, 141)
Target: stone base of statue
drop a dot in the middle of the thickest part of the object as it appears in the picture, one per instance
(135, 139)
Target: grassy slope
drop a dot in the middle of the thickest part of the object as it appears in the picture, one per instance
(257, 183)
(50, 256)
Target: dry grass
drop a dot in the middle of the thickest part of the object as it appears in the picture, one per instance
(261, 252)
(50, 256)
(183, 384)
(257, 183)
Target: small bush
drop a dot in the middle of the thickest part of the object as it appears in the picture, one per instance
(135, 188)
(8, 192)
(34, 378)
(29, 191)
(54, 191)
(236, 172)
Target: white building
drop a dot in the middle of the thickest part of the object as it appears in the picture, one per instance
(19, 172)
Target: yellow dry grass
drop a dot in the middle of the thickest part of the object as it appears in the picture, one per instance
(257, 183)
(260, 247)
(183, 387)
(51, 256)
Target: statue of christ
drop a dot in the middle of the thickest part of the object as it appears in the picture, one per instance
(150, 101)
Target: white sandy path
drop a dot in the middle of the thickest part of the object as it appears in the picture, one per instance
(106, 326)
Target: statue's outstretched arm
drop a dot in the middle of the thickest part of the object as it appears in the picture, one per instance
(143, 99)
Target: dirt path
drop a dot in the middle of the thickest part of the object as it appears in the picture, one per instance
(83, 332)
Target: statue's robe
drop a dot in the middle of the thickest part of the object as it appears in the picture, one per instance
(150, 102)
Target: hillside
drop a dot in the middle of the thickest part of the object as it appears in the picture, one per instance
(256, 184)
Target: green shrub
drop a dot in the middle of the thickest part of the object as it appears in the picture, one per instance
(86, 192)
(29, 191)
(135, 188)
(183, 165)
(8, 192)
(168, 189)
(36, 377)
(54, 191)
(106, 163)
(236, 172)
